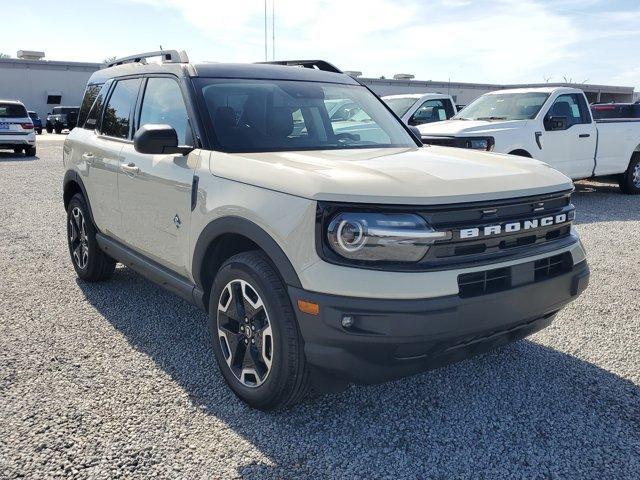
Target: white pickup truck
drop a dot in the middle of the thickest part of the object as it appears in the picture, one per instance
(551, 124)
(420, 108)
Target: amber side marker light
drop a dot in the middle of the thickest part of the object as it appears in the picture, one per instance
(308, 307)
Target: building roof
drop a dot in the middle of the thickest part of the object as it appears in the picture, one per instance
(47, 64)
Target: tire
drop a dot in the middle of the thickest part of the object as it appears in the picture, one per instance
(49, 129)
(58, 130)
(90, 263)
(630, 180)
(275, 374)
(39, 131)
(17, 150)
(30, 151)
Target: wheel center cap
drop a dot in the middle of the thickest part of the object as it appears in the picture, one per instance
(247, 331)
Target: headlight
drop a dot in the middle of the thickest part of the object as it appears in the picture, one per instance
(480, 143)
(381, 237)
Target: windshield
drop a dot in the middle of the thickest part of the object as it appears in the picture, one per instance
(400, 106)
(282, 115)
(504, 106)
(12, 110)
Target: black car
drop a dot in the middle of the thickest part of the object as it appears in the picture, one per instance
(37, 123)
(602, 111)
(62, 118)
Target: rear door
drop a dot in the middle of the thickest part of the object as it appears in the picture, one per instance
(572, 151)
(155, 190)
(97, 156)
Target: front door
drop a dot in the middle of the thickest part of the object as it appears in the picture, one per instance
(572, 150)
(155, 190)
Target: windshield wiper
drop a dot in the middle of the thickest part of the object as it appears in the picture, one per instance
(491, 118)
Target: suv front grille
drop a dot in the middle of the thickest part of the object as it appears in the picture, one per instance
(500, 279)
(463, 248)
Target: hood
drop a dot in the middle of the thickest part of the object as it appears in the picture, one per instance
(469, 127)
(428, 175)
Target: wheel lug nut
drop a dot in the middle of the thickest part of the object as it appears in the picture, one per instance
(246, 341)
(253, 327)
(253, 340)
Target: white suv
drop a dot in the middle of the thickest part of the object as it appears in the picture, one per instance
(321, 258)
(16, 128)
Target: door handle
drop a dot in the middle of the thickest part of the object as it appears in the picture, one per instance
(584, 135)
(130, 169)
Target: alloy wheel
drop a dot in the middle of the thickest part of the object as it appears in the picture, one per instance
(244, 333)
(636, 175)
(78, 240)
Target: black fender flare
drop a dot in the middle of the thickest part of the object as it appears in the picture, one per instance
(248, 229)
(71, 176)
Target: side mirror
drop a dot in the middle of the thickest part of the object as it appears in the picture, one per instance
(156, 139)
(556, 123)
(416, 132)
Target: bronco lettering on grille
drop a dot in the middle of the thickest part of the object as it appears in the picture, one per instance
(513, 227)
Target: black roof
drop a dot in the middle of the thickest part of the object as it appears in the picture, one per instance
(225, 70)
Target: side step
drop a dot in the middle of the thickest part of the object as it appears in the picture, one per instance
(151, 270)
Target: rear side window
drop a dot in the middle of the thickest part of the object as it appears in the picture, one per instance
(163, 103)
(12, 110)
(95, 110)
(90, 95)
(117, 114)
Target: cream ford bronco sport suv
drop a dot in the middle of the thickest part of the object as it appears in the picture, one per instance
(321, 258)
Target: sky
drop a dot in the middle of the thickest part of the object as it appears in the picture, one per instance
(498, 41)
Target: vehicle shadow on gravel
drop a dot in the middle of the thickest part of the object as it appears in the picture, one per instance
(603, 202)
(523, 411)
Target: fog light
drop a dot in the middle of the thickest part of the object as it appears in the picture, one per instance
(348, 321)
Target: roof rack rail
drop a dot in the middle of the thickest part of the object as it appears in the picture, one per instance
(168, 56)
(317, 64)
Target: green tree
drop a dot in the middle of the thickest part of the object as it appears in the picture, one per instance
(109, 59)
(4, 55)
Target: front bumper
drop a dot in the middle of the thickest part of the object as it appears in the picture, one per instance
(395, 338)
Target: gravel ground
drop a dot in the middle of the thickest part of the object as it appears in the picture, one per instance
(117, 379)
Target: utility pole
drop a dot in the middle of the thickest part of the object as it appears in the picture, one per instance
(265, 30)
(273, 29)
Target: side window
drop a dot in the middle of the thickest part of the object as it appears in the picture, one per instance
(91, 122)
(117, 114)
(163, 103)
(569, 106)
(432, 111)
(90, 95)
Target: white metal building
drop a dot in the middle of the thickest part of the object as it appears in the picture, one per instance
(42, 84)
(464, 93)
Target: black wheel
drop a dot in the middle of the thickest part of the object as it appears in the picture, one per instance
(58, 130)
(255, 334)
(39, 131)
(49, 129)
(30, 151)
(630, 180)
(17, 150)
(91, 263)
